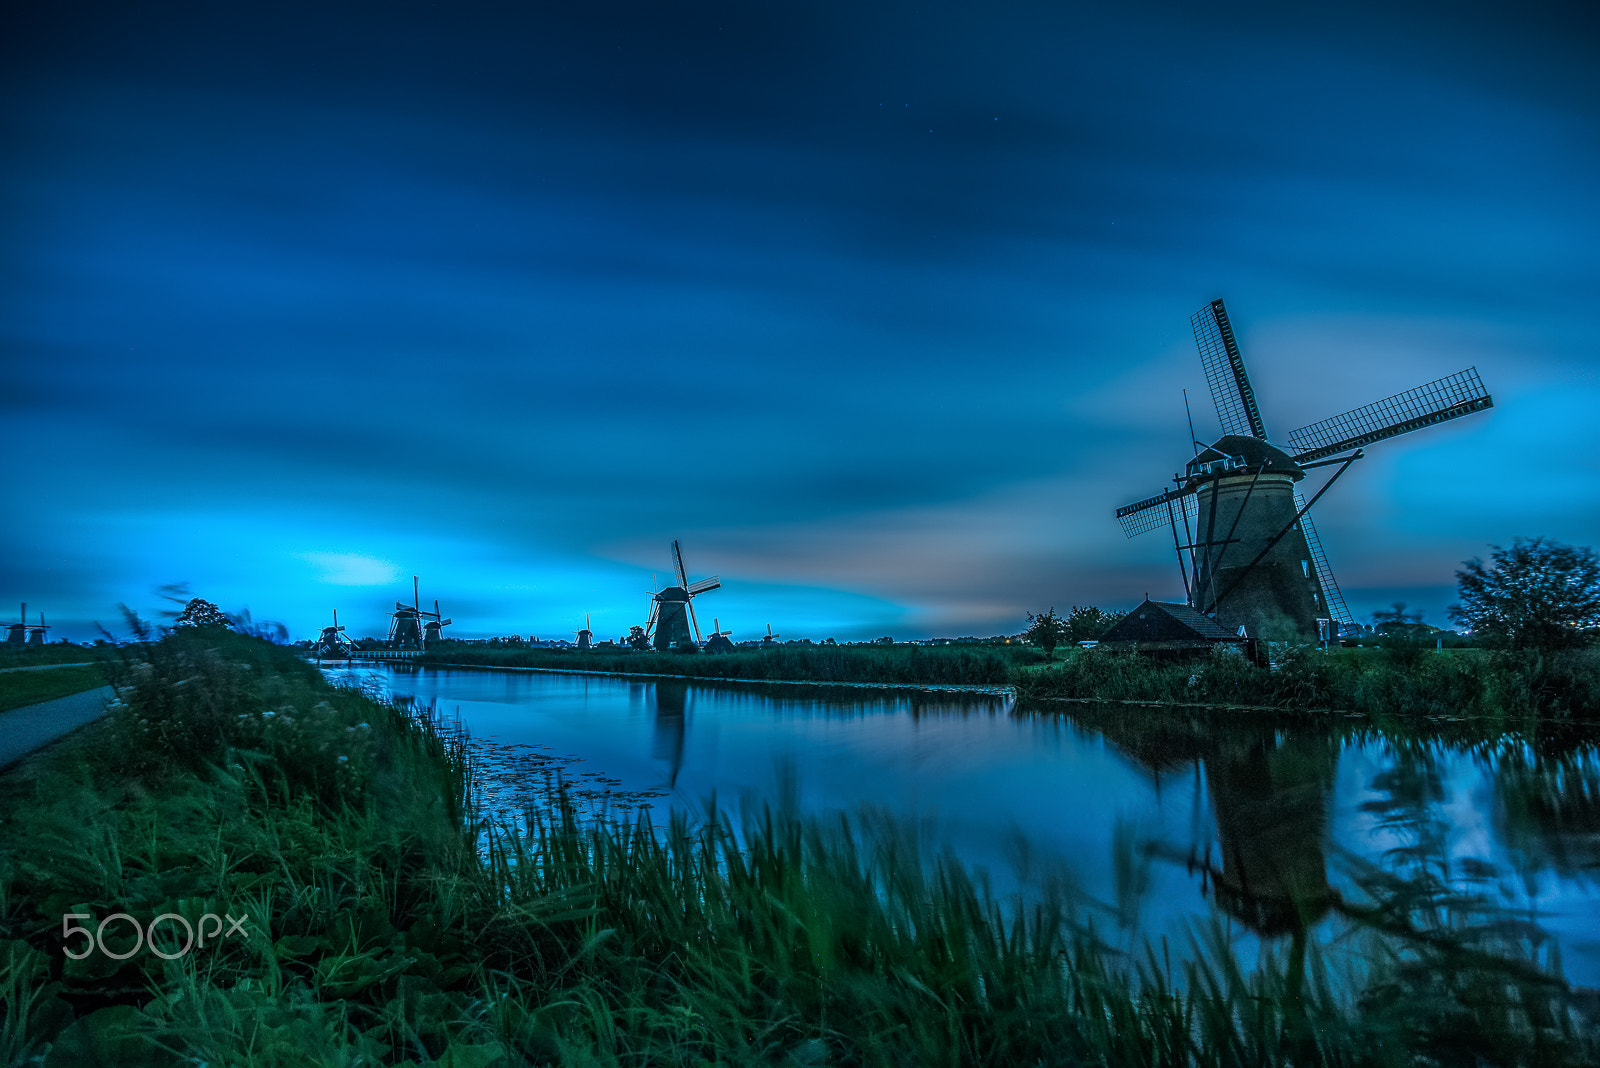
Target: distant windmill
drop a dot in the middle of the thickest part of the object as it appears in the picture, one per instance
(771, 638)
(35, 632)
(17, 633)
(718, 642)
(433, 629)
(672, 609)
(585, 636)
(1253, 554)
(332, 643)
(405, 630)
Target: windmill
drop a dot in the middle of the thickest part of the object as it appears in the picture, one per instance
(35, 632)
(770, 638)
(585, 636)
(17, 633)
(405, 631)
(1253, 555)
(718, 642)
(433, 629)
(672, 609)
(332, 643)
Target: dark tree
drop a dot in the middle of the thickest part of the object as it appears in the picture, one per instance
(636, 638)
(202, 613)
(1088, 623)
(1540, 594)
(1046, 630)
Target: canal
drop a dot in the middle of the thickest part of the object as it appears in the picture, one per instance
(1160, 822)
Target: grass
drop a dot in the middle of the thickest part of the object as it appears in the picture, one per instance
(21, 688)
(390, 923)
(1498, 691)
(55, 653)
(986, 665)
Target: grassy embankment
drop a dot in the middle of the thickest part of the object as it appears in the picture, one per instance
(20, 688)
(378, 931)
(985, 665)
(1497, 691)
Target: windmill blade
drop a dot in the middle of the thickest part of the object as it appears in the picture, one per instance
(1150, 513)
(696, 622)
(1230, 386)
(677, 566)
(704, 585)
(445, 622)
(1447, 398)
(1337, 610)
(336, 617)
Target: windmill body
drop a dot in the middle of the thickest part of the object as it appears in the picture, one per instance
(1242, 502)
(17, 633)
(1254, 561)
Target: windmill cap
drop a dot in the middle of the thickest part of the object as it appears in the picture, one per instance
(1252, 451)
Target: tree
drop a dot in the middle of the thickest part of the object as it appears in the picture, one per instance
(1396, 622)
(1046, 630)
(1088, 623)
(1540, 594)
(202, 613)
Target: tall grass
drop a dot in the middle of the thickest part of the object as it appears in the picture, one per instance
(389, 922)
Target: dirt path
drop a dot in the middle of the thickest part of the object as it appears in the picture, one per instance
(22, 730)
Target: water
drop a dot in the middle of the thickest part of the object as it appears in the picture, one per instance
(1155, 819)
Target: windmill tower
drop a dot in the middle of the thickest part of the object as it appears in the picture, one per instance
(405, 629)
(17, 633)
(585, 636)
(332, 643)
(672, 609)
(433, 629)
(718, 642)
(1253, 555)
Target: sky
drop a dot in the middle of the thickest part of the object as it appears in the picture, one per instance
(881, 310)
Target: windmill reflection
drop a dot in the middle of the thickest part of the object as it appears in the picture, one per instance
(671, 700)
(1270, 794)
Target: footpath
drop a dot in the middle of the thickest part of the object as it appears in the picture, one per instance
(22, 730)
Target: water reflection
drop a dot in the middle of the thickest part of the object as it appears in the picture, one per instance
(1269, 794)
(671, 725)
(1272, 826)
(1548, 810)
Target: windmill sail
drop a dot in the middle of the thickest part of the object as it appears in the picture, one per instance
(1150, 513)
(1447, 398)
(1333, 599)
(1230, 386)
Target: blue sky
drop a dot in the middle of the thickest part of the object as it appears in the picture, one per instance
(881, 310)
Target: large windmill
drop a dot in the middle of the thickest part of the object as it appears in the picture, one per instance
(672, 609)
(1253, 555)
(586, 635)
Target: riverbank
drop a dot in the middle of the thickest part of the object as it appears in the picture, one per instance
(377, 922)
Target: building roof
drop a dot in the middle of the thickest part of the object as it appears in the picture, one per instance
(1163, 621)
